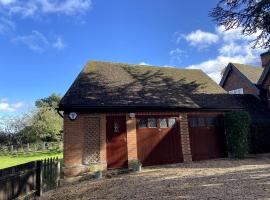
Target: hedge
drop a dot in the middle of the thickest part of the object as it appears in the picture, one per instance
(237, 126)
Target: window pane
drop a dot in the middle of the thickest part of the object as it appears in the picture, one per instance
(142, 123)
(193, 122)
(211, 121)
(163, 123)
(152, 123)
(201, 121)
(172, 122)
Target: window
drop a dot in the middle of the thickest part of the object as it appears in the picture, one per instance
(142, 123)
(172, 122)
(152, 122)
(201, 121)
(211, 121)
(237, 91)
(163, 123)
(193, 122)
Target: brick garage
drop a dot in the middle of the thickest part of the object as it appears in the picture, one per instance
(117, 103)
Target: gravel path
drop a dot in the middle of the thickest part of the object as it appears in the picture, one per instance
(215, 179)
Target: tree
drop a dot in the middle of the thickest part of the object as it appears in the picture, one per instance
(52, 101)
(253, 16)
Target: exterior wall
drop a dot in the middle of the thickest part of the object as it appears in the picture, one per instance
(266, 86)
(265, 58)
(131, 139)
(84, 142)
(85, 139)
(234, 81)
(184, 134)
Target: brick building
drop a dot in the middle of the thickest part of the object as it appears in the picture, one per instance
(115, 113)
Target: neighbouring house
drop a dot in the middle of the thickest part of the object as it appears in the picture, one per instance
(251, 86)
(115, 113)
(247, 79)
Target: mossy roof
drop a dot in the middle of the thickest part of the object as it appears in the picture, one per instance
(107, 84)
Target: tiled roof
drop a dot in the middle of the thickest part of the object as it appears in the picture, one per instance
(106, 84)
(253, 73)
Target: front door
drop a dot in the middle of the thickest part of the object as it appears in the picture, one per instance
(116, 137)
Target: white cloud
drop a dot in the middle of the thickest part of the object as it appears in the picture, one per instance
(35, 41)
(176, 54)
(233, 47)
(59, 44)
(143, 63)
(32, 8)
(5, 106)
(201, 39)
(6, 26)
(38, 42)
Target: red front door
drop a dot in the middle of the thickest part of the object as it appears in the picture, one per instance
(116, 142)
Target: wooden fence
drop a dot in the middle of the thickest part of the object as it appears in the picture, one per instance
(29, 179)
(33, 148)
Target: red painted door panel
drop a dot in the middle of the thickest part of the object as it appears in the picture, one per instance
(116, 137)
(159, 145)
(207, 141)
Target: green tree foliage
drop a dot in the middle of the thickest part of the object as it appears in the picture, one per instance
(251, 15)
(41, 124)
(237, 124)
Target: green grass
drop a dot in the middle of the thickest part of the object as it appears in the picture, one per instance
(9, 161)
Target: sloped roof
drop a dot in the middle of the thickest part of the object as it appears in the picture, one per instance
(253, 73)
(106, 84)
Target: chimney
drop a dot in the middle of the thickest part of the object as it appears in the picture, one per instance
(265, 58)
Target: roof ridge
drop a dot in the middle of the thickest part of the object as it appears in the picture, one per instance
(155, 66)
(246, 65)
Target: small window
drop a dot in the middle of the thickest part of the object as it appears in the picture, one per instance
(193, 122)
(163, 123)
(237, 91)
(152, 122)
(201, 121)
(142, 123)
(211, 121)
(172, 122)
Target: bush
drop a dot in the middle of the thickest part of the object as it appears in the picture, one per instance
(237, 124)
(260, 136)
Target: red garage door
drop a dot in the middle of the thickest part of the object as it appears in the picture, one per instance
(207, 137)
(158, 140)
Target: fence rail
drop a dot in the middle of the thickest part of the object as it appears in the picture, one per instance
(30, 148)
(29, 179)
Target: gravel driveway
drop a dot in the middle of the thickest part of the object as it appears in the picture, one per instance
(214, 179)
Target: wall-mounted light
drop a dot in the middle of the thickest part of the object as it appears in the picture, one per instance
(131, 115)
(72, 116)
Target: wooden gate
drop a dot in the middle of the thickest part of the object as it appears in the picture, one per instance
(29, 179)
(158, 140)
(116, 136)
(207, 137)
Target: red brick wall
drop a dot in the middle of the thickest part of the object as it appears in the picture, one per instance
(76, 132)
(234, 81)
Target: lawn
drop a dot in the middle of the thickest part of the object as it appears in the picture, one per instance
(9, 161)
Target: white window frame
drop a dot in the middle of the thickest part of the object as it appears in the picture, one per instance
(237, 91)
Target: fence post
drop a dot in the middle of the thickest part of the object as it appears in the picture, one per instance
(28, 147)
(39, 178)
(58, 173)
(11, 148)
(44, 146)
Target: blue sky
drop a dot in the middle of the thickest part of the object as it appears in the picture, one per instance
(45, 43)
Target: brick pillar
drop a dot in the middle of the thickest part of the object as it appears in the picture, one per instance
(103, 152)
(131, 138)
(185, 137)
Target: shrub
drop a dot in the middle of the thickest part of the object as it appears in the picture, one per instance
(237, 124)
